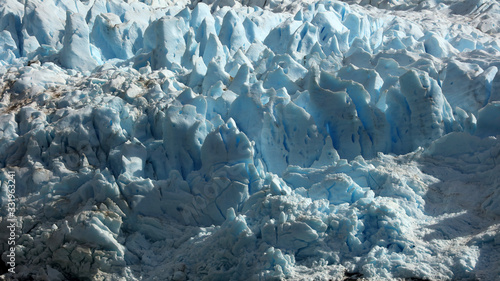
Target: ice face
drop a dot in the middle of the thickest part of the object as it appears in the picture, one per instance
(251, 140)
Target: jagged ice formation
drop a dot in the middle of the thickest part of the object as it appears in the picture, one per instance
(251, 140)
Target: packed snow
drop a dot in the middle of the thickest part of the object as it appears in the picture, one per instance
(251, 140)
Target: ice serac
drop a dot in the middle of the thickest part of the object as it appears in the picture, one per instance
(75, 52)
(183, 135)
(487, 123)
(166, 38)
(419, 113)
(344, 135)
(11, 16)
(226, 145)
(115, 39)
(232, 33)
(468, 86)
(224, 181)
(342, 110)
(44, 21)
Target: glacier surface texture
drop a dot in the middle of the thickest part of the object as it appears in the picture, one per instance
(251, 140)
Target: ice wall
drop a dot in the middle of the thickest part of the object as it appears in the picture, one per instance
(249, 140)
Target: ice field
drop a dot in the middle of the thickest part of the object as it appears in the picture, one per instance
(250, 140)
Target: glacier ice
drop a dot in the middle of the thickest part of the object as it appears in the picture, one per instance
(251, 140)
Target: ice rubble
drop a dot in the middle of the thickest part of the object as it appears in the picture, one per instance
(251, 140)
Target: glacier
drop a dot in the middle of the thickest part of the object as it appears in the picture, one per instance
(251, 140)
